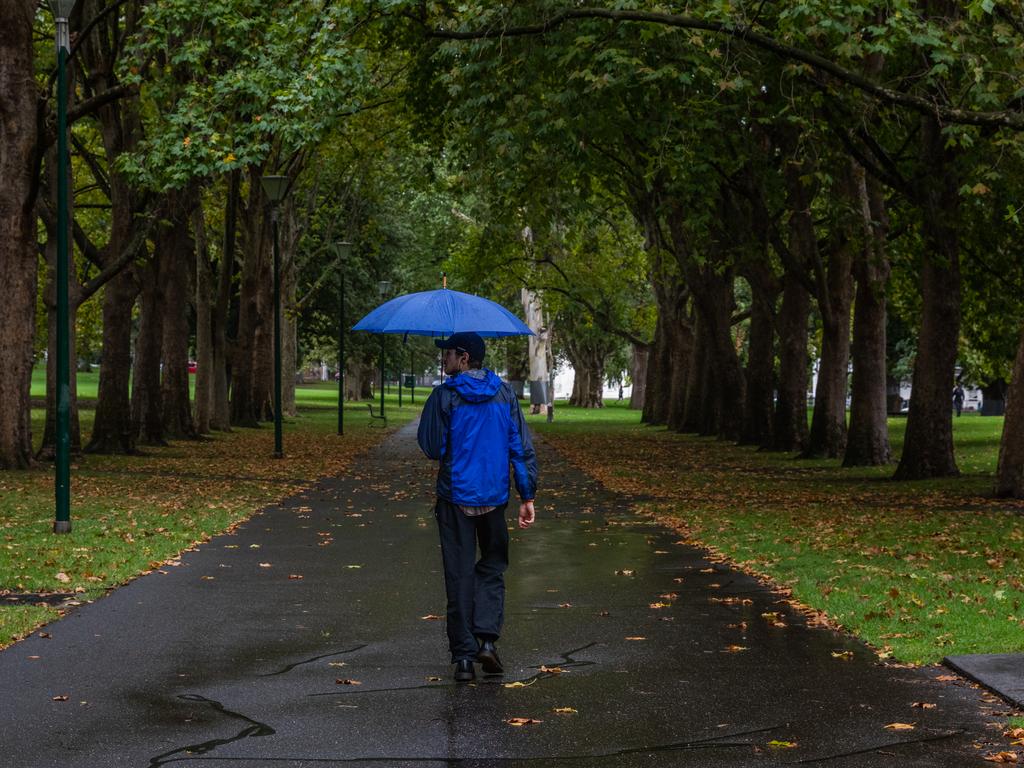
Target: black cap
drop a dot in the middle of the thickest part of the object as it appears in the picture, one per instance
(464, 341)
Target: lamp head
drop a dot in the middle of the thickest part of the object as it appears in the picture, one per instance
(342, 250)
(62, 8)
(384, 286)
(274, 187)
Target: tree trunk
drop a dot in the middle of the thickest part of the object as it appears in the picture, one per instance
(827, 438)
(694, 401)
(638, 375)
(147, 410)
(928, 444)
(112, 427)
(174, 394)
(244, 405)
(790, 426)
(867, 443)
(760, 372)
(204, 324)
(289, 340)
(221, 409)
(19, 261)
(715, 301)
(1010, 472)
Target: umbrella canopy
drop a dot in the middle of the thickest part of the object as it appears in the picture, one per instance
(442, 313)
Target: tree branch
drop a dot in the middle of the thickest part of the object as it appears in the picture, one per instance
(1000, 119)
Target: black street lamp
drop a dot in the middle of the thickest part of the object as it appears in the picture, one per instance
(384, 288)
(275, 188)
(342, 251)
(62, 519)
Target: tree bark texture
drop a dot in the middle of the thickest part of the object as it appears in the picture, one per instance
(928, 444)
(867, 442)
(147, 410)
(638, 375)
(1010, 472)
(112, 427)
(18, 255)
(244, 405)
(178, 253)
(221, 407)
(204, 298)
(790, 425)
(758, 405)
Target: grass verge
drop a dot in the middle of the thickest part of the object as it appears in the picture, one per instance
(919, 570)
(131, 513)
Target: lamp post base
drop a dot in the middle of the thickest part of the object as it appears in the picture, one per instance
(62, 526)
(278, 455)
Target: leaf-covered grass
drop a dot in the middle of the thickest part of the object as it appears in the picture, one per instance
(920, 570)
(131, 513)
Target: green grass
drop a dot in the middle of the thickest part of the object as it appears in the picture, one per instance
(920, 570)
(130, 514)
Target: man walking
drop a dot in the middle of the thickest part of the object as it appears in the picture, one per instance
(474, 426)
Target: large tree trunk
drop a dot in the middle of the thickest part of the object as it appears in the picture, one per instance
(638, 375)
(715, 302)
(928, 444)
(827, 437)
(204, 324)
(1010, 472)
(147, 409)
(537, 345)
(867, 443)
(657, 376)
(18, 256)
(244, 404)
(697, 408)
(112, 427)
(289, 340)
(174, 394)
(221, 409)
(790, 428)
(760, 372)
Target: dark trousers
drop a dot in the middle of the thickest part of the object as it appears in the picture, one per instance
(475, 588)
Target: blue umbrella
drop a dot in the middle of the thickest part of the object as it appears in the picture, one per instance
(442, 313)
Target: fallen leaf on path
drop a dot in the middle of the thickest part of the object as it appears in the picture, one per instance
(432, 678)
(336, 664)
(637, 637)
(60, 698)
(1014, 733)
(735, 648)
(564, 711)
(518, 721)
(353, 566)
(625, 572)
(947, 678)
(669, 596)
(923, 705)
(552, 670)
(346, 681)
(1002, 757)
(900, 727)
(208, 578)
(781, 744)
(602, 613)
(266, 565)
(431, 617)
(519, 684)
(565, 605)
(657, 606)
(844, 655)
(295, 576)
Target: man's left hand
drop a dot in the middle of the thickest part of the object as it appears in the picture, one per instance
(526, 514)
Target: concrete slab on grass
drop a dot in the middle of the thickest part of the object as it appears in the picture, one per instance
(1001, 673)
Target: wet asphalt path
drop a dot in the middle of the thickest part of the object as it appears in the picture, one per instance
(230, 659)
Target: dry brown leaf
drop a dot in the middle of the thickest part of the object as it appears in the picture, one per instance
(62, 577)
(636, 637)
(1002, 757)
(295, 576)
(844, 655)
(266, 565)
(62, 697)
(519, 721)
(565, 605)
(432, 678)
(923, 705)
(564, 711)
(552, 670)
(431, 617)
(900, 727)
(657, 606)
(346, 681)
(625, 572)
(735, 648)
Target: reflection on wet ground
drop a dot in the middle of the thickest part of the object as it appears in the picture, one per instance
(309, 637)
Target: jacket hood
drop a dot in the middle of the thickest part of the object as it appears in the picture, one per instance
(475, 386)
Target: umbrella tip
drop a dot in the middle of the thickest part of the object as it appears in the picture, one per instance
(444, 279)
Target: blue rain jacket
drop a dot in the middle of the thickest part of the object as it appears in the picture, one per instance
(474, 426)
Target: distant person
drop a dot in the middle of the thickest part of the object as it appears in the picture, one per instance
(474, 426)
(620, 391)
(958, 399)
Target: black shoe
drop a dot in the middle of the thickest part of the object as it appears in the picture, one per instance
(464, 671)
(488, 658)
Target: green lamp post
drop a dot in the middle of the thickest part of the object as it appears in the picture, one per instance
(275, 188)
(384, 288)
(62, 520)
(342, 251)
